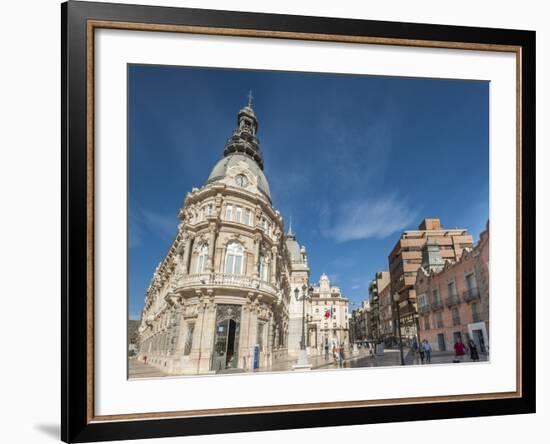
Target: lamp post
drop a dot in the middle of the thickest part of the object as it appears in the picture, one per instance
(302, 357)
(396, 300)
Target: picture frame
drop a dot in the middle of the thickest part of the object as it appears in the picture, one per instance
(80, 20)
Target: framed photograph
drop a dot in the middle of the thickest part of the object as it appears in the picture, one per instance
(276, 221)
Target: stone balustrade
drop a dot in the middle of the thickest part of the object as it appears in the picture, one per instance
(225, 280)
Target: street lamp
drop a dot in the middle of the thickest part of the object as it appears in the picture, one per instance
(396, 300)
(302, 357)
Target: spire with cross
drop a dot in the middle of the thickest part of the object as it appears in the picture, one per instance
(250, 97)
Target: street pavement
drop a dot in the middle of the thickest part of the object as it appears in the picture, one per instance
(391, 357)
(137, 369)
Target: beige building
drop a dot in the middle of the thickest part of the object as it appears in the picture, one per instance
(387, 314)
(361, 328)
(328, 320)
(220, 301)
(405, 260)
(378, 284)
(299, 276)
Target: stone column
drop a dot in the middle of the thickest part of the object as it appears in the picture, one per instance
(273, 270)
(187, 252)
(211, 246)
(257, 240)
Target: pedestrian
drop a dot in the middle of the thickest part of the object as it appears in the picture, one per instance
(334, 353)
(341, 354)
(474, 355)
(427, 350)
(326, 351)
(421, 352)
(145, 359)
(459, 351)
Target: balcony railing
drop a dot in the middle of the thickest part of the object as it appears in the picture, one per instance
(225, 280)
(437, 305)
(471, 294)
(423, 309)
(452, 300)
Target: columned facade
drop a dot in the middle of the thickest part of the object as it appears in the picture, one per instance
(219, 301)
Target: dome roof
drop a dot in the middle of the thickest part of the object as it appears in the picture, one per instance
(220, 171)
(293, 248)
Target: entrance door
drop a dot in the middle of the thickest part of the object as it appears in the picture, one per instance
(226, 338)
(441, 341)
(478, 339)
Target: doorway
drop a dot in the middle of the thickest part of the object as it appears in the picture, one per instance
(478, 339)
(441, 341)
(226, 338)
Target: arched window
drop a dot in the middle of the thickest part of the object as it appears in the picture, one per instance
(262, 270)
(203, 257)
(234, 258)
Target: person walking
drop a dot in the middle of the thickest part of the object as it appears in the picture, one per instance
(460, 351)
(421, 352)
(474, 355)
(427, 350)
(342, 354)
(326, 351)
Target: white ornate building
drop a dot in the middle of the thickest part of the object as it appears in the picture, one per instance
(328, 317)
(222, 299)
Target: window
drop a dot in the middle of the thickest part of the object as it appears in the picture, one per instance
(189, 338)
(247, 218)
(234, 258)
(316, 310)
(334, 325)
(422, 300)
(439, 319)
(451, 289)
(470, 281)
(238, 212)
(435, 293)
(228, 212)
(475, 312)
(456, 316)
(203, 257)
(209, 210)
(262, 270)
(426, 322)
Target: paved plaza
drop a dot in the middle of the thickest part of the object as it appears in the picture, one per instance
(362, 358)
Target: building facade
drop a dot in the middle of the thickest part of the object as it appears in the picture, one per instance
(361, 328)
(387, 315)
(405, 259)
(380, 281)
(453, 296)
(220, 301)
(328, 316)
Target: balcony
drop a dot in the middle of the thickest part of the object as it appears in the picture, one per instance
(225, 280)
(471, 295)
(422, 309)
(436, 305)
(452, 300)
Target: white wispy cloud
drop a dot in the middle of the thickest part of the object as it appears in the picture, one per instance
(367, 218)
(165, 225)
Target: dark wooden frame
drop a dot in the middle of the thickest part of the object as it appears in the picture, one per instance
(78, 423)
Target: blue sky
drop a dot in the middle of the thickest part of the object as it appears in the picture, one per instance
(353, 159)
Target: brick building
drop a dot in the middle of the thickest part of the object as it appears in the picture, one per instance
(453, 296)
(405, 259)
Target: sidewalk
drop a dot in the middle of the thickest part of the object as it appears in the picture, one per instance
(137, 369)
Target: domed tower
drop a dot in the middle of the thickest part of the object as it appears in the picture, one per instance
(221, 296)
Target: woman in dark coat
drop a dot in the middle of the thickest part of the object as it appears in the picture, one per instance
(474, 355)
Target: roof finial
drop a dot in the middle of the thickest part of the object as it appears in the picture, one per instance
(250, 97)
(290, 233)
